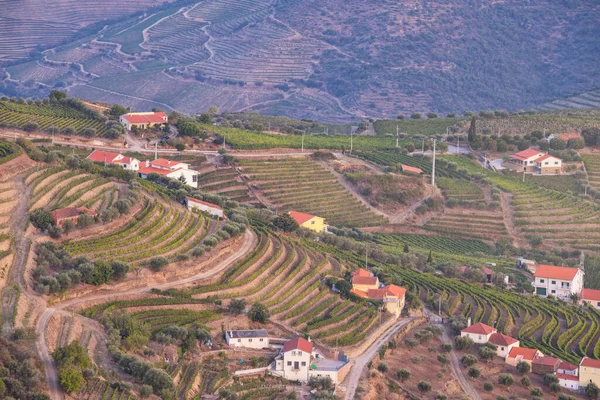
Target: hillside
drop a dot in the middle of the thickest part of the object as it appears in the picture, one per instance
(307, 59)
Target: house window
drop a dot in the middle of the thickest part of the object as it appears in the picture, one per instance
(261, 339)
(293, 353)
(541, 281)
(239, 340)
(502, 348)
(289, 363)
(195, 178)
(304, 363)
(312, 222)
(479, 337)
(249, 340)
(299, 353)
(598, 304)
(554, 291)
(554, 282)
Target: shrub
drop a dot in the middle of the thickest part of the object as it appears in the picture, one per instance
(474, 372)
(525, 381)
(468, 360)
(565, 397)
(463, 343)
(424, 386)
(236, 306)
(592, 390)
(403, 375)
(258, 313)
(158, 263)
(506, 379)
(410, 342)
(536, 391)
(488, 386)
(382, 367)
(211, 241)
(445, 348)
(443, 358)
(70, 380)
(523, 367)
(199, 251)
(415, 359)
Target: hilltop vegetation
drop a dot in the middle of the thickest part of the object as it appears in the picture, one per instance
(310, 59)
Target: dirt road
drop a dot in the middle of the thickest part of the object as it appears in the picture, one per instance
(458, 372)
(42, 347)
(369, 354)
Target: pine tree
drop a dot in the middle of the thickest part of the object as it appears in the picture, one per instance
(429, 258)
(406, 248)
(473, 130)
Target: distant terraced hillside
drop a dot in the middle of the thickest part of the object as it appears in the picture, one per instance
(581, 101)
(323, 60)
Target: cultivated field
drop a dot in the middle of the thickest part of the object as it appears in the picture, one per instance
(592, 166)
(303, 185)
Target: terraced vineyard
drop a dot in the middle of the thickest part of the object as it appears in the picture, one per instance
(584, 100)
(415, 127)
(554, 327)
(158, 229)
(592, 166)
(436, 243)
(303, 185)
(460, 190)
(97, 389)
(48, 117)
(474, 224)
(225, 182)
(424, 163)
(548, 122)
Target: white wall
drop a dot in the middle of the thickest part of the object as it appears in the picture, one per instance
(560, 288)
(255, 343)
(322, 374)
(203, 207)
(502, 351)
(290, 358)
(480, 339)
(191, 176)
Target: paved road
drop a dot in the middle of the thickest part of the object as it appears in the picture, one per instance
(369, 354)
(42, 324)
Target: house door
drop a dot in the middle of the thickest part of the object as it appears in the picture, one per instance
(296, 365)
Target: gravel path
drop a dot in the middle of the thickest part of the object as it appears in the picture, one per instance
(458, 372)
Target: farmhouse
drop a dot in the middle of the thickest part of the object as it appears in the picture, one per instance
(143, 120)
(170, 169)
(62, 215)
(589, 372)
(536, 161)
(564, 136)
(256, 339)
(479, 332)
(308, 221)
(363, 280)
(392, 296)
(561, 282)
(106, 157)
(299, 360)
(205, 206)
(518, 354)
(545, 365)
(503, 343)
(590, 296)
(567, 381)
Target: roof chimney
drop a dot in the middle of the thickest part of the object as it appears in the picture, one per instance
(468, 322)
(147, 163)
(309, 339)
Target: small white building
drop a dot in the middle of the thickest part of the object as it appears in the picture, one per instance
(255, 338)
(212, 209)
(107, 157)
(503, 343)
(143, 120)
(560, 282)
(590, 296)
(568, 381)
(170, 169)
(479, 333)
(300, 360)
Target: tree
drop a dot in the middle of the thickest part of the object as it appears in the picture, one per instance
(2, 388)
(457, 323)
(213, 110)
(117, 110)
(119, 269)
(57, 95)
(158, 379)
(431, 115)
(70, 380)
(488, 386)
(558, 144)
(506, 379)
(205, 118)
(576, 143)
(41, 219)
(416, 115)
(536, 391)
(429, 258)
(591, 136)
(259, 313)
(403, 375)
(474, 372)
(525, 381)
(472, 130)
(85, 220)
(424, 386)
(68, 226)
(237, 306)
(468, 360)
(523, 367)
(146, 391)
(382, 367)
(285, 222)
(189, 129)
(31, 126)
(592, 391)
(158, 263)
(405, 250)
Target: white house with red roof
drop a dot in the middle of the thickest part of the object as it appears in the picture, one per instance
(309, 221)
(204, 206)
(366, 285)
(479, 333)
(143, 120)
(503, 343)
(107, 157)
(518, 354)
(560, 282)
(536, 161)
(299, 360)
(170, 169)
(590, 296)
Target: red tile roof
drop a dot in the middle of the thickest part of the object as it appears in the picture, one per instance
(526, 353)
(364, 280)
(479, 329)
(549, 361)
(300, 217)
(547, 156)
(149, 118)
(502, 340)
(590, 294)
(408, 168)
(588, 362)
(361, 272)
(526, 154)
(567, 377)
(569, 135)
(206, 203)
(551, 271)
(160, 171)
(378, 294)
(567, 366)
(359, 293)
(70, 212)
(102, 156)
(163, 162)
(395, 290)
(487, 271)
(298, 344)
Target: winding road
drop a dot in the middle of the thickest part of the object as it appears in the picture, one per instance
(42, 323)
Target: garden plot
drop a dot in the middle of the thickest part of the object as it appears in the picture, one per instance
(303, 185)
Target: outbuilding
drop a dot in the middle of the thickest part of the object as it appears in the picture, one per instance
(255, 338)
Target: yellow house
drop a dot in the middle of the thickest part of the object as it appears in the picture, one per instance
(589, 372)
(363, 281)
(308, 221)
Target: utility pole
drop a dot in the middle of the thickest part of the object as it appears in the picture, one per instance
(423, 146)
(224, 137)
(351, 137)
(433, 166)
(367, 256)
(458, 144)
(156, 150)
(396, 136)
(440, 306)
(303, 141)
